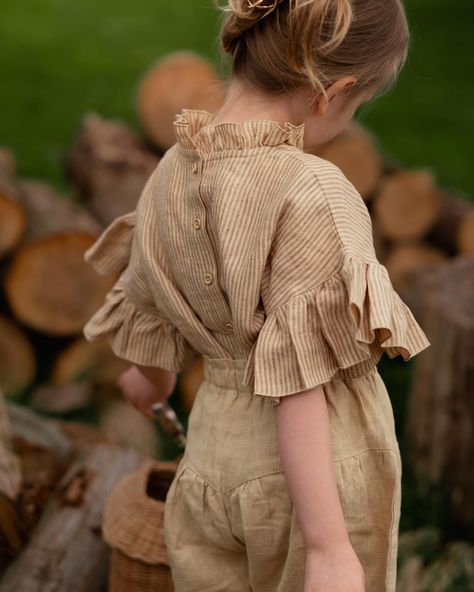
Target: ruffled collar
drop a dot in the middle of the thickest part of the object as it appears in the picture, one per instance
(232, 135)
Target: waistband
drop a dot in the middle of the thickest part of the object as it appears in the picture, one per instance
(226, 372)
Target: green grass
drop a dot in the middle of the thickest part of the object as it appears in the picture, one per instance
(60, 59)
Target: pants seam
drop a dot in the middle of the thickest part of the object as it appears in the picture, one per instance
(391, 449)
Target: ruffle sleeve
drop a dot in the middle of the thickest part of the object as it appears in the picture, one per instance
(338, 329)
(128, 318)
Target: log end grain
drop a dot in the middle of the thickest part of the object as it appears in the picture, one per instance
(17, 359)
(407, 204)
(355, 152)
(180, 79)
(51, 288)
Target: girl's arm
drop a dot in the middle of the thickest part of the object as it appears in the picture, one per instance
(144, 385)
(304, 441)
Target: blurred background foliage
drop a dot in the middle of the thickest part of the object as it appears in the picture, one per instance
(61, 58)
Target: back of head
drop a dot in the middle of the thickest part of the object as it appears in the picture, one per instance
(279, 46)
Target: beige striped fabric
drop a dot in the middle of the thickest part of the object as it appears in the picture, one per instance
(244, 246)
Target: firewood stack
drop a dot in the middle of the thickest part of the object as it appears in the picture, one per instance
(48, 291)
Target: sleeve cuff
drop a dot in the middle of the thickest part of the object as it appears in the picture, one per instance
(138, 336)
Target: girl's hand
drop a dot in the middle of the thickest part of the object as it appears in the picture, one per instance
(142, 391)
(333, 569)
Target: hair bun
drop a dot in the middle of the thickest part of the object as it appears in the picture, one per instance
(251, 9)
(244, 15)
(263, 5)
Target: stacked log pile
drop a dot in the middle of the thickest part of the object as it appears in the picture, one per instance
(48, 291)
(68, 472)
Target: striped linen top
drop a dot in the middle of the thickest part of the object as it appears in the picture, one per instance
(244, 246)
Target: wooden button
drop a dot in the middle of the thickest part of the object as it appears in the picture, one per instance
(208, 277)
(229, 326)
(197, 223)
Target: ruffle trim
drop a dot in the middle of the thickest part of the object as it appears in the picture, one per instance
(110, 253)
(134, 333)
(233, 135)
(337, 330)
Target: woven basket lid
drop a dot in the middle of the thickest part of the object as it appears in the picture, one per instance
(133, 519)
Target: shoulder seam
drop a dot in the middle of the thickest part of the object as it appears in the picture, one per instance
(314, 176)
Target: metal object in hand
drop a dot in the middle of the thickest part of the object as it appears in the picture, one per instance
(169, 422)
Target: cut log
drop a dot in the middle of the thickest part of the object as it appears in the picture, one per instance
(180, 79)
(51, 288)
(406, 259)
(355, 152)
(49, 212)
(7, 164)
(66, 551)
(49, 398)
(10, 470)
(453, 231)
(83, 360)
(406, 205)
(48, 285)
(38, 431)
(17, 359)
(110, 165)
(441, 406)
(12, 217)
(122, 423)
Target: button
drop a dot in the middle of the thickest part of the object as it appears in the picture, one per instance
(208, 277)
(229, 326)
(197, 223)
(195, 167)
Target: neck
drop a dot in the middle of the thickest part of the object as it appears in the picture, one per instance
(243, 103)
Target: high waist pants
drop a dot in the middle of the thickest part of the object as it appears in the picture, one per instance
(229, 522)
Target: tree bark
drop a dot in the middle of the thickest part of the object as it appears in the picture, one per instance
(66, 551)
(441, 407)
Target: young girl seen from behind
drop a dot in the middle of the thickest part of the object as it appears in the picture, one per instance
(258, 256)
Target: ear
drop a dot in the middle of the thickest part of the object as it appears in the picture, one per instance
(335, 89)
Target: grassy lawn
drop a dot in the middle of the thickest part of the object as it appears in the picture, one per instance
(60, 59)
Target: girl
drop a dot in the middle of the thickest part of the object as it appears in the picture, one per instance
(258, 256)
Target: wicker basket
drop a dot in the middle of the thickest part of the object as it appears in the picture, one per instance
(133, 527)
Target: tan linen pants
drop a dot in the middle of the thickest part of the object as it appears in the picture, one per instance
(229, 523)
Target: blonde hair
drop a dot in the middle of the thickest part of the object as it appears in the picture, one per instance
(279, 46)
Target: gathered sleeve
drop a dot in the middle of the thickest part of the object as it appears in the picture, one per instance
(129, 318)
(339, 311)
